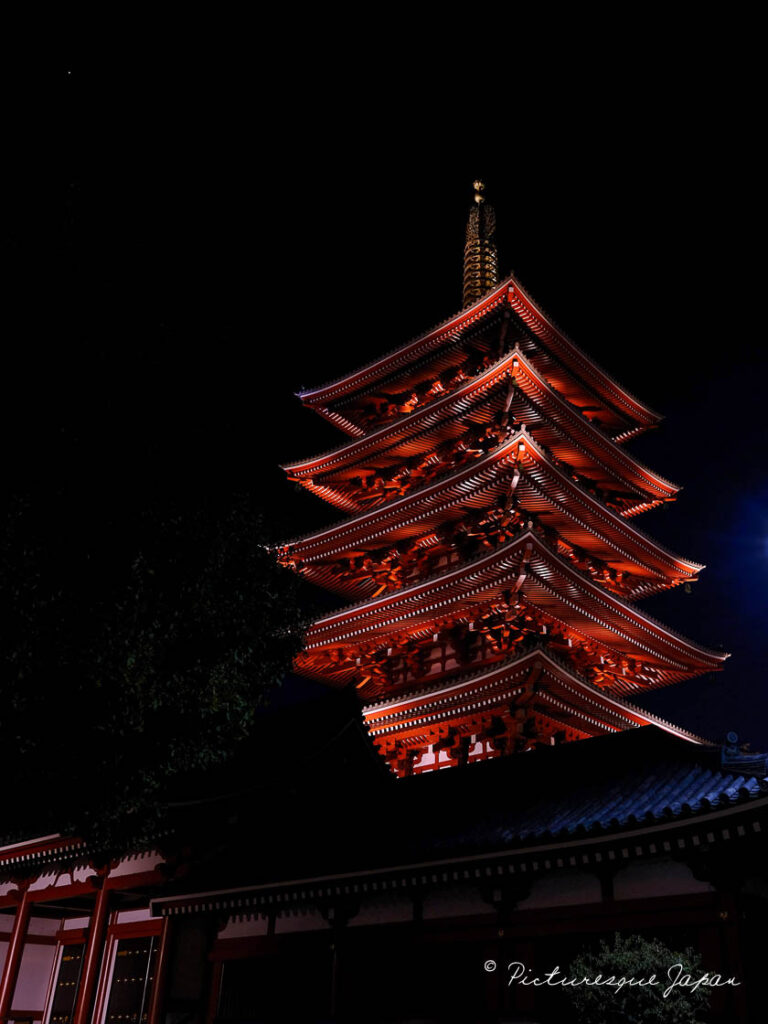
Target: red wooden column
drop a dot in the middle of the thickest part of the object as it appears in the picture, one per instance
(92, 954)
(161, 969)
(15, 949)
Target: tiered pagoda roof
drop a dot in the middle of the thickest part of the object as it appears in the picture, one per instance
(574, 374)
(488, 548)
(540, 484)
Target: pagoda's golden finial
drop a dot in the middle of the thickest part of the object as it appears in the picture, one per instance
(481, 271)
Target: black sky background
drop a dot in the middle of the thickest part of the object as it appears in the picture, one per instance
(193, 244)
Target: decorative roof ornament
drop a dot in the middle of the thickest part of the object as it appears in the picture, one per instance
(740, 760)
(481, 271)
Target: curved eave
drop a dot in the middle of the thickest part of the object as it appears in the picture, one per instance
(387, 713)
(534, 317)
(470, 482)
(510, 292)
(415, 504)
(509, 566)
(336, 418)
(593, 444)
(613, 522)
(40, 849)
(593, 438)
(399, 357)
(383, 437)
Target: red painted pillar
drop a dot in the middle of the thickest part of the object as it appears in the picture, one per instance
(161, 966)
(15, 949)
(92, 956)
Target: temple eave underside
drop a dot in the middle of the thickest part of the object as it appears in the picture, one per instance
(571, 368)
(476, 418)
(519, 705)
(500, 493)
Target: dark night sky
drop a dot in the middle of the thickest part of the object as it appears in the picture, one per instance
(196, 246)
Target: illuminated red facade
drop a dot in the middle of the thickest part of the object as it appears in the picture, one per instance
(489, 548)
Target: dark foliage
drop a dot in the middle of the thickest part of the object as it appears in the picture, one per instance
(134, 651)
(676, 996)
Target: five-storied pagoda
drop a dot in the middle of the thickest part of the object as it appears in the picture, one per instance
(489, 550)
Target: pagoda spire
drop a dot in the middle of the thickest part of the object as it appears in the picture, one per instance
(481, 271)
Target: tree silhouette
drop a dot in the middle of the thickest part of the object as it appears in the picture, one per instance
(135, 650)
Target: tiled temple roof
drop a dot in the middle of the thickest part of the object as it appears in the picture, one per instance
(550, 808)
(606, 785)
(664, 792)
